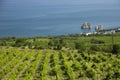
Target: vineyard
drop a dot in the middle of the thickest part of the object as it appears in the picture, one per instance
(19, 64)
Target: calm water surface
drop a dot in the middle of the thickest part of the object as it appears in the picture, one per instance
(55, 17)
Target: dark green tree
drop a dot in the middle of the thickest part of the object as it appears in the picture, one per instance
(80, 46)
(116, 48)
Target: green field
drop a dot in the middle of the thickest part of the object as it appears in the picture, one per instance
(27, 64)
(67, 57)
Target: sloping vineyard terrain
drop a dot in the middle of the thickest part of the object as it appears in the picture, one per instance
(19, 64)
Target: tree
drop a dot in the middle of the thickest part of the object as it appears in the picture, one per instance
(80, 46)
(20, 42)
(56, 43)
(116, 48)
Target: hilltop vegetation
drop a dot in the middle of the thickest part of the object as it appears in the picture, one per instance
(92, 43)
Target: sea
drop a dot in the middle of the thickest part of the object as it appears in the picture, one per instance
(29, 18)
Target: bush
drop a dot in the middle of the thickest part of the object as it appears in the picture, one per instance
(80, 46)
(106, 48)
(56, 44)
(95, 48)
(20, 42)
(115, 48)
(90, 73)
(3, 43)
(41, 45)
(97, 41)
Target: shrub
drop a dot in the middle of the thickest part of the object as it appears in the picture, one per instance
(20, 42)
(115, 48)
(56, 44)
(94, 41)
(80, 46)
(95, 48)
(106, 48)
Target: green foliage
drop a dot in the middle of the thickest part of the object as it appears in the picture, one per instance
(56, 44)
(106, 48)
(80, 46)
(3, 43)
(71, 42)
(116, 48)
(94, 41)
(40, 45)
(46, 64)
(92, 59)
(95, 48)
(20, 42)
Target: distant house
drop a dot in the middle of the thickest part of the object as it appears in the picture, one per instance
(88, 33)
(107, 31)
(118, 29)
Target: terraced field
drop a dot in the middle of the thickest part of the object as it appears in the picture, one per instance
(18, 64)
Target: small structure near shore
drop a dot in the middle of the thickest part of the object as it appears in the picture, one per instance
(109, 31)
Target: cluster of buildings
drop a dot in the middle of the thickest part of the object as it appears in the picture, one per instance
(99, 29)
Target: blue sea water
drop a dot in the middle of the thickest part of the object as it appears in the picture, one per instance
(55, 17)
